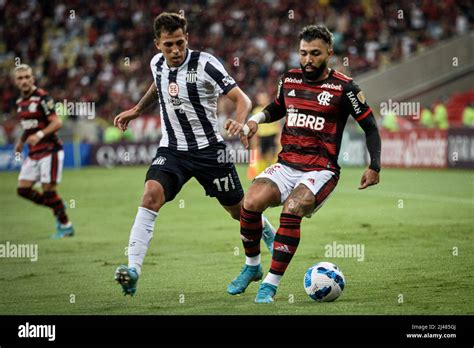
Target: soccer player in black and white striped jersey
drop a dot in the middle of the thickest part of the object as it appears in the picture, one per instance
(186, 84)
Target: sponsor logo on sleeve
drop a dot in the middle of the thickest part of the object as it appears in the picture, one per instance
(361, 97)
(354, 102)
(228, 80)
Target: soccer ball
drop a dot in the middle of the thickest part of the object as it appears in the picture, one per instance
(324, 282)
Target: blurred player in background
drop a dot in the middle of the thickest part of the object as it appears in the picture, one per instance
(187, 84)
(44, 163)
(317, 102)
(266, 141)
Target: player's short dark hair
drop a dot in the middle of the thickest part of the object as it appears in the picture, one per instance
(313, 32)
(169, 22)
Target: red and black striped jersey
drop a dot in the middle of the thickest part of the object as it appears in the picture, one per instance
(33, 113)
(316, 114)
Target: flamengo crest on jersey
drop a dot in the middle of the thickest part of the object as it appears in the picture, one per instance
(188, 99)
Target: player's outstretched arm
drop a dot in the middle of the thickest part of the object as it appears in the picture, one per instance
(19, 146)
(354, 103)
(150, 98)
(242, 108)
(274, 111)
(374, 146)
(271, 113)
(122, 120)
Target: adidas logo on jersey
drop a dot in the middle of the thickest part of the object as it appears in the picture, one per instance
(292, 80)
(284, 248)
(332, 86)
(245, 239)
(291, 93)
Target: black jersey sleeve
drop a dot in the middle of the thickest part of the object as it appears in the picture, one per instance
(276, 110)
(354, 103)
(372, 138)
(47, 104)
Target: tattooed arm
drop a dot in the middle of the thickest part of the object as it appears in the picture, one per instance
(122, 120)
(150, 98)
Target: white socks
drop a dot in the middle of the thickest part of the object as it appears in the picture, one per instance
(140, 237)
(252, 261)
(272, 279)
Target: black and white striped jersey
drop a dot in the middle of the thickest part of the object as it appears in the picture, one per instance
(188, 99)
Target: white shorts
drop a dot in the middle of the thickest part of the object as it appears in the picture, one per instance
(321, 183)
(47, 170)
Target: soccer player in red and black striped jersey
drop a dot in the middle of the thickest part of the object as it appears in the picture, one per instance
(317, 102)
(44, 163)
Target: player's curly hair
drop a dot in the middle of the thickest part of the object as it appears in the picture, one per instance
(313, 32)
(169, 22)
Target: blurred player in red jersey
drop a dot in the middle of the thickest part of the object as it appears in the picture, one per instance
(317, 102)
(44, 163)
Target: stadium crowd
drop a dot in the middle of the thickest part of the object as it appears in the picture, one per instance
(99, 51)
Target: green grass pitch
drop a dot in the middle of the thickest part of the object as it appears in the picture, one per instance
(416, 228)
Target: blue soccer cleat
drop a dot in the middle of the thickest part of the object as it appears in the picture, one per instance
(127, 278)
(266, 293)
(63, 231)
(242, 281)
(268, 234)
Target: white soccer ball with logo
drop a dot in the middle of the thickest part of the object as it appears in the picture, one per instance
(324, 282)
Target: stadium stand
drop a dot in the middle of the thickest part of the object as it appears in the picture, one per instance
(99, 51)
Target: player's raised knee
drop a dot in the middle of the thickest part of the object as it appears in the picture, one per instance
(153, 197)
(151, 201)
(252, 202)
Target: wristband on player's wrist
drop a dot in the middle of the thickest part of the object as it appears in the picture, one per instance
(258, 118)
(40, 134)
